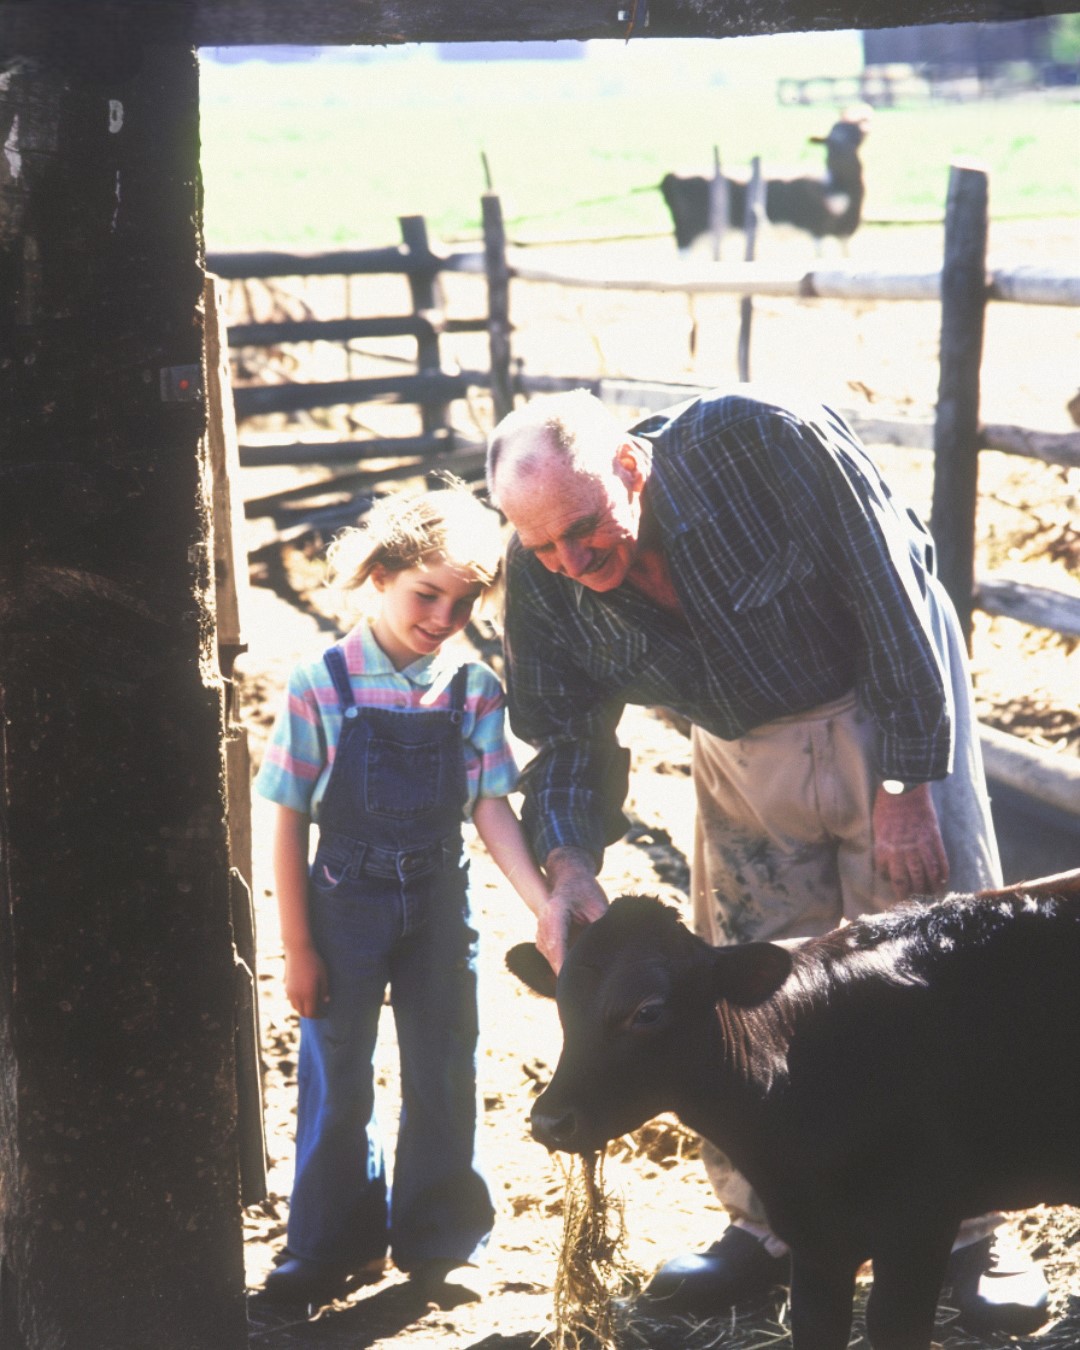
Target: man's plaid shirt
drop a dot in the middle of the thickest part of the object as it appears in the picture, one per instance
(799, 579)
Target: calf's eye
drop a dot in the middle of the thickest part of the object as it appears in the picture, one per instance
(647, 1015)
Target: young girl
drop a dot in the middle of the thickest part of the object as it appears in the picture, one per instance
(386, 743)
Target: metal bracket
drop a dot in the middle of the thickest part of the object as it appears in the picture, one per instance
(181, 384)
(635, 14)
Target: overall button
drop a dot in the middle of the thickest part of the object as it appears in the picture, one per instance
(410, 862)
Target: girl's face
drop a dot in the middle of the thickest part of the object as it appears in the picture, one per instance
(421, 607)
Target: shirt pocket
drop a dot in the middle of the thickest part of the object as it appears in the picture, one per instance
(610, 649)
(755, 589)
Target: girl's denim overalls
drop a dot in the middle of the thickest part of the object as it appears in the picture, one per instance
(389, 905)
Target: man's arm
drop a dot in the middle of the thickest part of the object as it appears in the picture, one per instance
(575, 785)
(867, 549)
(574, 788)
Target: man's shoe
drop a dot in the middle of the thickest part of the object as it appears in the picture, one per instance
(294, 1280)
(996, 1288)
(737, 1269)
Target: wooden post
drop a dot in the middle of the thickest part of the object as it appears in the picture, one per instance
(718, 206)
(120, 1223)
(956, 424)
(230, 603)
(498, 284)
(434, 416)
(754, 206)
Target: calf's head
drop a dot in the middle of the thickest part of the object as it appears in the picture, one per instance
(637, 999)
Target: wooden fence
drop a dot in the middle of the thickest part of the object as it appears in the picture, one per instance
(430, 386)
(963, 287)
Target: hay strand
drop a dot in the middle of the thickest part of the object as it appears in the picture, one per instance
(592, 1270)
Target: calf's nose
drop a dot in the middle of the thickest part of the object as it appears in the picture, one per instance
(553, 1129)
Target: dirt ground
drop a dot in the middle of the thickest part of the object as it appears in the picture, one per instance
(1026, 683)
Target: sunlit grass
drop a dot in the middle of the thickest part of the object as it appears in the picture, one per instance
(321, 154)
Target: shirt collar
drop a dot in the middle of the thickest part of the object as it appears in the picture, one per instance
(364, 656)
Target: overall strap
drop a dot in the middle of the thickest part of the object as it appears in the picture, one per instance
(339, 673)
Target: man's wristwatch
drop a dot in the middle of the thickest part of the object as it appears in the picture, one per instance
(895, 788)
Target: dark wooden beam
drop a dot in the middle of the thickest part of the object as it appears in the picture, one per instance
(223, 22)
(213, 23)
(119, 1199)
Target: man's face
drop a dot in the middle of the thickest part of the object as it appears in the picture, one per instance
(578, 525)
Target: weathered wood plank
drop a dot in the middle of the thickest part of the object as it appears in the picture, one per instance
(213, 23)
(1053, 779)
(344, 262)
(119, 1169)
(1036, 605)
(434, 411)
(261, 454)
(1050, 447)
(1035, 286)
(743, 278)
(348, 330)
(252, 400)
(357, 21)
(1050, 287)
(956, 425)
(498, 288)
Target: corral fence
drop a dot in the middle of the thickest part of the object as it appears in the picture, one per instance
(963, 287)
(430, 386)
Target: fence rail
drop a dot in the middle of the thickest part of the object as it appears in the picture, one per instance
(1022, 285)
(428, 386)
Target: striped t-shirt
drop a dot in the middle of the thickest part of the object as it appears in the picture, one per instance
(298, 760)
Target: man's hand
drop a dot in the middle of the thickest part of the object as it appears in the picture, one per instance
(908, 850)
(576, 899)
(306, 985)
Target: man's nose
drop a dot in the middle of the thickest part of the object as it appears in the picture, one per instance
(573, 557)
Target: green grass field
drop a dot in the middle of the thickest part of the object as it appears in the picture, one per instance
(318, 154)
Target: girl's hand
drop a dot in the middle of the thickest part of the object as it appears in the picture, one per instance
(306, 985)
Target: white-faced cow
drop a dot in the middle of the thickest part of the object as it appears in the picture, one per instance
(876, 1085)
(826, 205)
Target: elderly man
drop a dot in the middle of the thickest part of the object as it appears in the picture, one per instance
(741, 561)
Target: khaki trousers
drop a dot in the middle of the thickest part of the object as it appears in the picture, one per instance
(783, 843)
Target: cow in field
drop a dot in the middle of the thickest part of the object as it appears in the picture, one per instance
(827, 205)
(876, 1085)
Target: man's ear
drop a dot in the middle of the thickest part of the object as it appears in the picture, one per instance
(629, 467)
(749, 974)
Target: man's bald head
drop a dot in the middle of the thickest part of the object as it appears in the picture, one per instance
(572, 428)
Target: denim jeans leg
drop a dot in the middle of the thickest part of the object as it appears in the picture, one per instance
(440, 1205)
(338, 1209)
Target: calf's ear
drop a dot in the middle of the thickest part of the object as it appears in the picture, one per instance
(749, 974)
(525, 961)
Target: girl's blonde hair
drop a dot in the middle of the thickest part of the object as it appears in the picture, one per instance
(409, 529)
